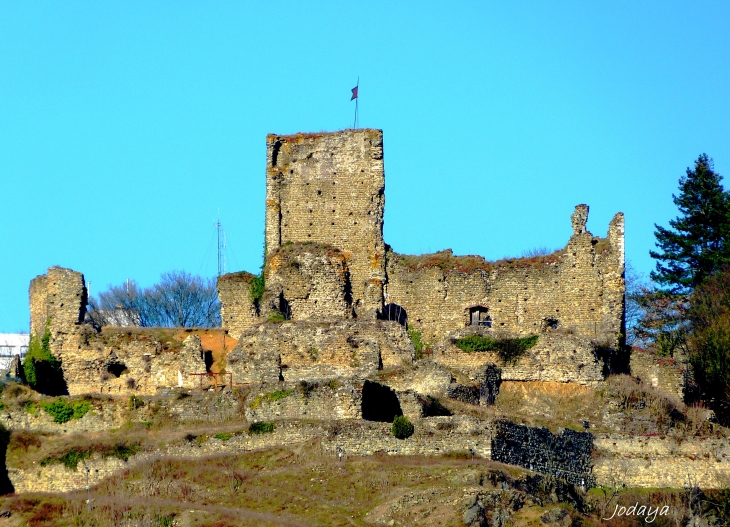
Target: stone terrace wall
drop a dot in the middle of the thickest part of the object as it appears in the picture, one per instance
(238, 312)
(305, 350)
(330, 188)
(641, 461)
(581, 287)
(557, 357)
(58, 297)
(433, 437)
(313, 279)
(566, 455)
(327, 401)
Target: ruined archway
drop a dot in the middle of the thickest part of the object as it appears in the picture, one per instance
(396, 313)
(379, 403)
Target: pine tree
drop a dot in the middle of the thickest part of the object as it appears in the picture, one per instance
(698, 242)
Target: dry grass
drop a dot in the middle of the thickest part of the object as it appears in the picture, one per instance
(622, 405)
(300, 486)
(280, 486)
(446, 261)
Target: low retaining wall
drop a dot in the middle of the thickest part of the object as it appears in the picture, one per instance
(641, 461)
(565, 455)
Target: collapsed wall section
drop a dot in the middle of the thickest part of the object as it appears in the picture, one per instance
(579, 288)
(556, 357)
(115, 360)
(329, 188)
(140, 361)
(238, 308)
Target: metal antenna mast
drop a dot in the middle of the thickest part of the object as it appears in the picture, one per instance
(221, 247)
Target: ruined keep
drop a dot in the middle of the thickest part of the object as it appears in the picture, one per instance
(326, 261)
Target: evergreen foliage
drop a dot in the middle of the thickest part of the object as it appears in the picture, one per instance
(696, 244)
(256, 288)
(709, 342)
(402, 427)
(417, 342)
(63, 411)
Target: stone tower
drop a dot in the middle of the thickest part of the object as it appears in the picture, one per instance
(329, 189)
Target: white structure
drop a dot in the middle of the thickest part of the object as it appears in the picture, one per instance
(12, 344)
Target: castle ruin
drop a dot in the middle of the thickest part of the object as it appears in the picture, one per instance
(337, 299)
(340, 327)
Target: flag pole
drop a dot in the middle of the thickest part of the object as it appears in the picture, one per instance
(356, 97)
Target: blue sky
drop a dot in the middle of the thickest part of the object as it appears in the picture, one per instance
(126, 127)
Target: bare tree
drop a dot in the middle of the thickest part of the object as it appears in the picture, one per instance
(178, 300)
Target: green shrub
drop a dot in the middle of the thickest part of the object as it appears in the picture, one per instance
(276, 317)
(509, 350)
(256, 288)
(63, 411)
(164, 521)
(40, 351)
(402, 427)
(417, 342)
(223, 437)
(261, 427)
(122, 451)
(70, 459)
(273, 396)
(135, 402)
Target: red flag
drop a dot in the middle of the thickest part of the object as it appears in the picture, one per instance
(354, 93)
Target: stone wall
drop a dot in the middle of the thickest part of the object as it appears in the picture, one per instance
(579, 288)
(139, 361)
(238, 312)
(665, 374)
(650, 461)
(329, 188)
(332, 400)
(58, 298)
(126, 360)
(307, 281)
(557, 357)
(307, 350)
(565, 455)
